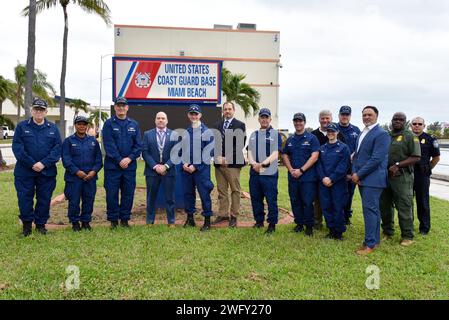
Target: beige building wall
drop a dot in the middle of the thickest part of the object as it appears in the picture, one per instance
(253, 53)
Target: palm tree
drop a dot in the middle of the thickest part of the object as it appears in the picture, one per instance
(98, 7)
(40, 87)
(239, 92)
(30, 57)
(79, 105)
(96, 116)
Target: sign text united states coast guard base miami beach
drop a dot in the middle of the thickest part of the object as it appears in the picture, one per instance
(167, 80)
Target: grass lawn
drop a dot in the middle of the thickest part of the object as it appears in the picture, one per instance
(162, 263)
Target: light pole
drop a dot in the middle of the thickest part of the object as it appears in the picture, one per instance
(101, 84)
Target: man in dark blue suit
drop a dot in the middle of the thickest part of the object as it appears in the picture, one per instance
(369, 167)
(159, 169)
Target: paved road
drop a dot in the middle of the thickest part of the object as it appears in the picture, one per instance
(438, 188)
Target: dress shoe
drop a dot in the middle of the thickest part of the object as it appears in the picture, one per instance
(124, 223)
(298, 228)
(114, 224)
(258, 225)
(190, 222)
(309, 231)
(206, 225)
(363, 251)
(41, 229)
(27, 228)
(423, 233)
(76, 226)
(86, 226)
(407, 242)
(271, 228)
(220, 219)
(233, 222)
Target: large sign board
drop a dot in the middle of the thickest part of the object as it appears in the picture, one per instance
(166, 80)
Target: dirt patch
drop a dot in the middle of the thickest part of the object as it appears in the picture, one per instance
(58, 211)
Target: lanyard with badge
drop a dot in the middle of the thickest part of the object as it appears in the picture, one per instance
(161, 136)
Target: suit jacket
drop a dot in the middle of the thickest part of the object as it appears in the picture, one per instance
(230, 157)
(371, 160)
(151, 154)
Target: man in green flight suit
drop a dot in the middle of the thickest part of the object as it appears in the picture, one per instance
(405, 151)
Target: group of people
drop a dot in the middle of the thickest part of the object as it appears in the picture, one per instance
(324, 167)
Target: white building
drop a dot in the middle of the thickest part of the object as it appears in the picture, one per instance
(243, 50)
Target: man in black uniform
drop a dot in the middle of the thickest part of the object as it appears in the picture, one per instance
(325, 117)
(423, 170)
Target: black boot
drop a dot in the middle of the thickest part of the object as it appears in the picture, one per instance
(124, 223)
(338, 236)
(206, 225)
(76, 226)
(233, 222)
(298, 228)
(27, 228)
(114, 224)
(331, 234)
(258, 225)
(271, 228)
(309, 231)
(190, 222)
(86, 226)
(41, 229)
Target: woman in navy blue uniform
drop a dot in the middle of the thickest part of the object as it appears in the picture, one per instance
(333, 166)
(81, 157)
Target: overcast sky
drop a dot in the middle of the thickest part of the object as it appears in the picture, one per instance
(391, 54)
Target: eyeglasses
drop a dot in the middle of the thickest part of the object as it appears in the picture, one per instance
(417, 124)
(39, 109)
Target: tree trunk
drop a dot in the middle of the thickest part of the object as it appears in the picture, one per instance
(30, 58)
(63, 73)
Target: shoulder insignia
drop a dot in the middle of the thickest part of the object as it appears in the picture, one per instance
(435, 144)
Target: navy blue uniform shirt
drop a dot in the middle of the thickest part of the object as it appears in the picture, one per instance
(81, 154)
(121, 139)
(299, 149)
(334, 161)
(270, 146)
(34, 143)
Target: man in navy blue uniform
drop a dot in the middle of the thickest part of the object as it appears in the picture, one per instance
(82, 159)
(301, 152)
(351, 133)
(430, 149)
(332, 167)
(197, 152)
(123, 145)
(159, 169)
(37, 148)
(263, 153)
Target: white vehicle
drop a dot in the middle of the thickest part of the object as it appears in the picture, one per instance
(7, 133)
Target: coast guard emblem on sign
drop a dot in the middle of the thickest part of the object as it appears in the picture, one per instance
(142, 80)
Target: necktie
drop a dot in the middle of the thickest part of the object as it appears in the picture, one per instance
(226, 124)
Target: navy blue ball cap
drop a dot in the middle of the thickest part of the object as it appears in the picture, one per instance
(299, 116)
(345, 110)
(121, 100)
(80, 119)
(265, 112)
(194, 108)
(39, 103)
(332, 127)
